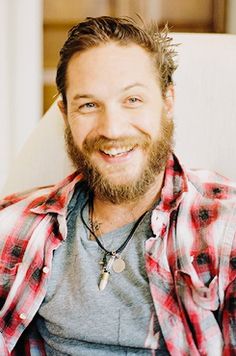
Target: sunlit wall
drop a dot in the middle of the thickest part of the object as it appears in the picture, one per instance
(21, 76)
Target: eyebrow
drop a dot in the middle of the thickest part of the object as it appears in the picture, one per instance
(82, 96)
(87, 96)
(134, 85)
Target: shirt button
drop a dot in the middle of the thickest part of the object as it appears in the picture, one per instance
(22, 316)
(45, 269)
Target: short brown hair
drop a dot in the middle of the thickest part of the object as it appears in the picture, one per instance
(95, 31)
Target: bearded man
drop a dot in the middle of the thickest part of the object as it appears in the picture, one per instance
(131, 254)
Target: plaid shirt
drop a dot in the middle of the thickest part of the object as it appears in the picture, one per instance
(190, 261)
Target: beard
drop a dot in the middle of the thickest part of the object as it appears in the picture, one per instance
(157, 151)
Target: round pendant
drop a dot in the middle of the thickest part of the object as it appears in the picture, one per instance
(118, 265)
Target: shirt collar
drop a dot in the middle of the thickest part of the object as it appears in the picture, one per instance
(174, 187)
(57, 200)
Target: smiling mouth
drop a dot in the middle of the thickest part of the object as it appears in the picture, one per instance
(116, 152)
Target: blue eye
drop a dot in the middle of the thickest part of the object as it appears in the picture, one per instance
(133, 102)
(87, 107)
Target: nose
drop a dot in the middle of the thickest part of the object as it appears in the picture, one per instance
(112, 123)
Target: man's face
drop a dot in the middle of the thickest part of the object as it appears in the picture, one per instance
(118, 131)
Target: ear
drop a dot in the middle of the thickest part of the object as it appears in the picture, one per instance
(63, 110)
(169, 99)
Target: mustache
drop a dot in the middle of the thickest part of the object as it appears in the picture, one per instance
(102, 142)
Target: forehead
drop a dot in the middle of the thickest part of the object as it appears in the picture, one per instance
(111, 63)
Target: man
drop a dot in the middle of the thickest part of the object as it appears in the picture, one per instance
(132, 254)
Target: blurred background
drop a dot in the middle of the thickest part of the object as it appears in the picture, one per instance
(32, 33)
(214, 16)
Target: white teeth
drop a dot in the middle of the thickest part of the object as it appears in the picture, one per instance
(117, 151)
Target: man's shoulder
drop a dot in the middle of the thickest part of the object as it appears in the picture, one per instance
(211, 185)
(213, 195)
(25, 197)
(40, 195)
(21, 212)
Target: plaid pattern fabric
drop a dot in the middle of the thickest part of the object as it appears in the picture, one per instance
(190, 261)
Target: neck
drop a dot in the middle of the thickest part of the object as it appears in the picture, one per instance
(124, 213)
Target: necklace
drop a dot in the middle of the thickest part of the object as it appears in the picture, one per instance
(114, 262)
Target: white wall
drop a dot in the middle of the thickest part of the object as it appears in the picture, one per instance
(21, 76)
(231, 17)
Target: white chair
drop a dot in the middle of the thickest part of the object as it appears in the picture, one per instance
(205, 117)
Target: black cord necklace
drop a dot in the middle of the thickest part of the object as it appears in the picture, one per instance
(115, 262)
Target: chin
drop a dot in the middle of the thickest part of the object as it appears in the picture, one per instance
(122, 177)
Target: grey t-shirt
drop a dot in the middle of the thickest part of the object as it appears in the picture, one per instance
(76, 318)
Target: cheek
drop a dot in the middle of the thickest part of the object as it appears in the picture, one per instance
(80, 131)
(149, 124)
(79, 135)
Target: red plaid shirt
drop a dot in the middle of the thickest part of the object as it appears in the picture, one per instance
(190, 261)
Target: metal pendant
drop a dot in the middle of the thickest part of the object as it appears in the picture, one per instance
(106, 271)
(118, 265)
(103, 280)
